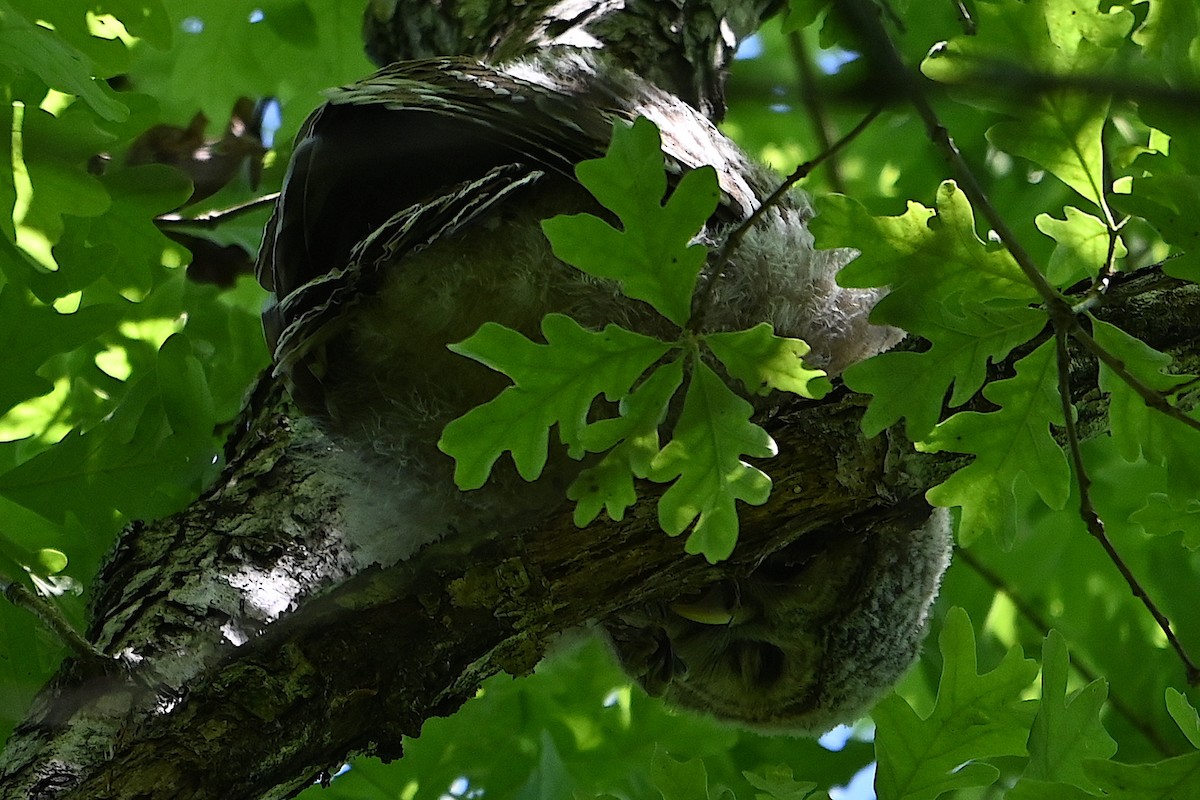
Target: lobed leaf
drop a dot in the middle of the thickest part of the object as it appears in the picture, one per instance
(967, 298)
(1013, 442)
(1060, 132)
(1169, 202)
(704, 461)
(1081, 246)
(1140, 431)
(977, 716)
(553, 383)
(1168, 779)
(652, 256)
(25, 46)
(633, 437)
(764, 362)
(1159, 518)
(1067, 731)
(777, 783)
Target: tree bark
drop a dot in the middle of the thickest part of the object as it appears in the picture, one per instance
(360, 660)
(252, 653)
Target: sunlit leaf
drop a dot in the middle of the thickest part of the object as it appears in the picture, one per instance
(704, 459)
(652, 256)
(554, 383)
(976, 716)
(1008, 444)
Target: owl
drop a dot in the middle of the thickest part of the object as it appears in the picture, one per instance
(410, 215)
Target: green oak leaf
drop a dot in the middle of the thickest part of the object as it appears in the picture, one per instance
(1066, 731)
(923, 251)
(1169, 202)
(652, 256)
(183, 387)
(555, 382)
(1010, 443)
(907, 385)
(56, 150)
(975, 717)
(1185, 716)
(31, 333)
(1159, 518)
(85, 252)
(633, 439)
(1055, 36)
(764, 362)
(681, 780)
(135, 461)
(704, 460)
(1168, 36)
(1060, 132)
(969, 299)
(29, 47)
(1169, 779)
(776, 782)
(1138, 430)
(1081, 248)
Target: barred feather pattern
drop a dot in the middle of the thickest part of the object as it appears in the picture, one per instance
(410, 215)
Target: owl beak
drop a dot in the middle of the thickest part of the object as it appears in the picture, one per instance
(720, 605)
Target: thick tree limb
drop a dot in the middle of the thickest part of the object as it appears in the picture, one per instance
(354, 668)
(683, 47)
(251, 649)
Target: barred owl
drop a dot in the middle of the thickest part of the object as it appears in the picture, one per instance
(410, 215)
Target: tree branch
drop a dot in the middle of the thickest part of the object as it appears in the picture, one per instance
(361, 659)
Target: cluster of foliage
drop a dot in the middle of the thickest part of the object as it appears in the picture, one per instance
(1077, 118)
(655, 260)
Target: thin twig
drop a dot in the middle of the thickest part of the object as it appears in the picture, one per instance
(964, 17)
(52, 618)
(1026, 610)
(813, 102)
(1154, 399)
(1095, 293)
(1104, 276)
(211, 219)
(737, 234)
(1091, 519)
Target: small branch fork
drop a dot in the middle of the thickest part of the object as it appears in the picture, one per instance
(1063, 315)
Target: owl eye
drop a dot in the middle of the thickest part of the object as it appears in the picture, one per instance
(757, 664)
